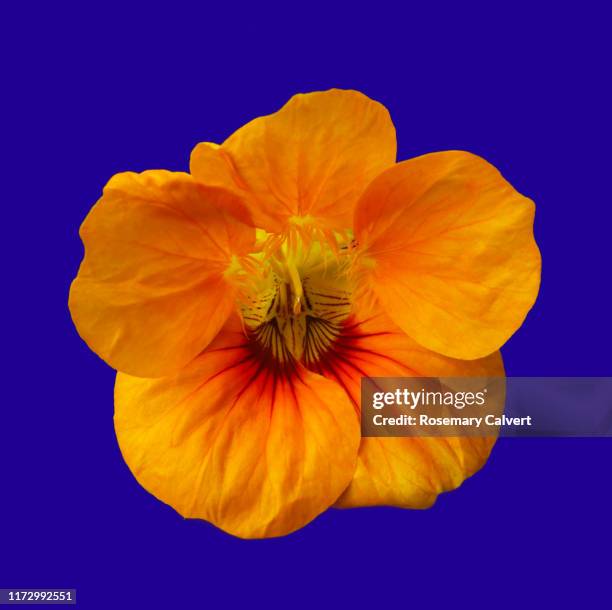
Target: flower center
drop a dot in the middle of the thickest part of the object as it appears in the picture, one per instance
(300, 301)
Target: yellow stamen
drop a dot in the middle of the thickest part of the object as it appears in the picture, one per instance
(302, 221)
(234, 268)
(296, 286)
(304, 298)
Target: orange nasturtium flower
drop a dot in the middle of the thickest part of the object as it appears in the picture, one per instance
(242, 303)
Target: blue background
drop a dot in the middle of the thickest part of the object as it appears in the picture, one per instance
(94, 90)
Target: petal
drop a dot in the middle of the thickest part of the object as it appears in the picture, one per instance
(447, 247)
(406, 472)
(306, 164)
(253, 446)
(152, 290)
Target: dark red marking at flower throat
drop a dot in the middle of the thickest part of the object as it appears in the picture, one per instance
(333, 351)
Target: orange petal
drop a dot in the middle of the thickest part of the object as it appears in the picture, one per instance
(447, 247)
(307, 163)
(406, 472)
(152, 290)
(256, 447)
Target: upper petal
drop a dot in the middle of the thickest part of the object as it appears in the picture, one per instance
(305, 164)
(448, 248)
(408, 472)
(256, 447)
(152, 290)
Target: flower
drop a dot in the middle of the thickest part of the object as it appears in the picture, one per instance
(242, 303)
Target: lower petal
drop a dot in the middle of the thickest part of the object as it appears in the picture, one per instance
(412, 472)
(256, 446)
(406, 472)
